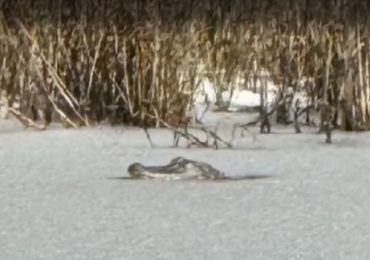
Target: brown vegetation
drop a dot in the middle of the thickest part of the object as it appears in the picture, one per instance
(122, 60)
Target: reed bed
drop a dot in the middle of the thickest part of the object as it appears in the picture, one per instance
(137, 62)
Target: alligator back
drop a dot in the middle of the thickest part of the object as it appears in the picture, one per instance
(177, 168)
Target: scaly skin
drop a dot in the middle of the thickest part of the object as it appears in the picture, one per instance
(178, 168)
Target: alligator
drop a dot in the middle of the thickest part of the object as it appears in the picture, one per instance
(181, 168)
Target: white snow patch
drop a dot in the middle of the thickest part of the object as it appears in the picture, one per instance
(301, 100)
(206, 92)
(245, 98)
(3, 105)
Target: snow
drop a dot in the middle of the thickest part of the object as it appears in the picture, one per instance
(3, 106)
(301, 100)
(248, 99)
(3, 112)
(245, 98)
(239, 94)
(60, 198)
(206, 92)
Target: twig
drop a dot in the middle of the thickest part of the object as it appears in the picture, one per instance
(184, 134)
(148, 137)
(216, 137)
(244, 128)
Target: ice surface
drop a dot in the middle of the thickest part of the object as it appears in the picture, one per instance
(60, 198)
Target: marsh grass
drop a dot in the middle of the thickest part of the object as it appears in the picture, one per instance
(136, 62)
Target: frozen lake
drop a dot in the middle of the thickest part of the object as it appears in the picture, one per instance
(60, 199)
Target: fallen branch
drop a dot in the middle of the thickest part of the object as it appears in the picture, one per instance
(27, 122)
(263, 119)
(62, 114)
(245, 128)
(216, 137)
(190, 137)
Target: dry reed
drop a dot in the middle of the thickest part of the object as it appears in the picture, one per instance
(122, 60)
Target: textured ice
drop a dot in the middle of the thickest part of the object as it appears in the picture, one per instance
(60, 198)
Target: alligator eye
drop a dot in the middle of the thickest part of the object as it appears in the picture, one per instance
(177, 159)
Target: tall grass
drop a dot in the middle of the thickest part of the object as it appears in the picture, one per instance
(123, 60)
